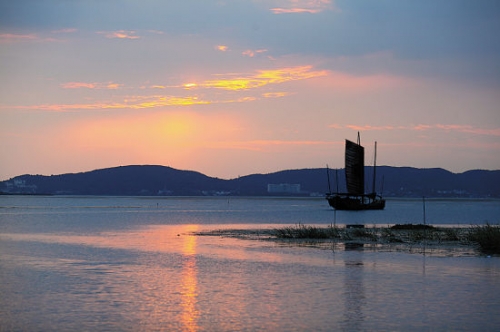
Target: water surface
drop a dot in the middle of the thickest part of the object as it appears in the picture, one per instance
(131, 264)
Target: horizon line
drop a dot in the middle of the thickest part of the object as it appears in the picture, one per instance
(216, 177)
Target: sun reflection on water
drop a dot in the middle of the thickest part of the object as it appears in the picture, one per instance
(189, 285)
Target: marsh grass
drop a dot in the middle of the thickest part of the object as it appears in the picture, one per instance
(363, 233)
(486, 237)
(398, 234)
(302, 231)
(388, 235)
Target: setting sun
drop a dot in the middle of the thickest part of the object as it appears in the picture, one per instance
(178, 127)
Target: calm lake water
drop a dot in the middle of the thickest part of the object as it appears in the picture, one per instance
(131, 264)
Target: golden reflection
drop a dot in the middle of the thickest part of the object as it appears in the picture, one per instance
(189, 282)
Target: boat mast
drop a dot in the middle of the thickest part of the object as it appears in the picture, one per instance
(374, 167)
(337, 179)
(328, 176)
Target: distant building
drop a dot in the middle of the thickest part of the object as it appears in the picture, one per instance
(17, 186)
(283, 188)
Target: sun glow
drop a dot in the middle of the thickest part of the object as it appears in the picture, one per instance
(171, 138)
(178, 127)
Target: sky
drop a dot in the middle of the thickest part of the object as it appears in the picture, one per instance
(236, 87)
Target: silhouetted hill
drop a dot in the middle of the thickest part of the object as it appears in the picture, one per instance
(160, 180)
(436, 182)
(124, 180)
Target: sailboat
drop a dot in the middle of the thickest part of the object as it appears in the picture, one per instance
(355, 198)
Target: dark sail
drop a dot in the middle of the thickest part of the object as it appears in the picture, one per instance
(355, 168)
(355, 198)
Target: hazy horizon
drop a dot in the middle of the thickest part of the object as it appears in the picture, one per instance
(231, 88)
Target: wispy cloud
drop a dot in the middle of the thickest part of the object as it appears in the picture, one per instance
(222, 48)
(301, 6)
(79, 85)
(53, 36)
(135, 102)
(261, 78)
(12, 37)
(275, 94)
(469, 129)
(156, 32)
(66, 30)
(425, 127)
(368, 127)
(120, 34)
(252, 53)
(139, 102)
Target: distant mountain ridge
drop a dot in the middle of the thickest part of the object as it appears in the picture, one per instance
(152, 180)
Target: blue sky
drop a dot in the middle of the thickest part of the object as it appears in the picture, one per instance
(236, 87)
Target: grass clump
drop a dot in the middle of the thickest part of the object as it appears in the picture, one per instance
(363, 233)
(301, 231)
(487, 237)
(390, 236)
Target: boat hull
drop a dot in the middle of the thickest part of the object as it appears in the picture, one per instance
(355, 202)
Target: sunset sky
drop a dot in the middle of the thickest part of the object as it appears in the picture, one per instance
(235, 87)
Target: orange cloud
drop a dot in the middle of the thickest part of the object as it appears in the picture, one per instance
(302, 6)
(264, 77)
(120, 34)
(78, 85)
(190, 85)
(222, 48)
(368, 128)
(134, 102)
(113, 86)
(252, 53)
(275, 94)
(10, 37)
(234, 84)
(421, 127)
(259, 79)
(294, 10)
(469, 129)
(138, 102)
(160, 101)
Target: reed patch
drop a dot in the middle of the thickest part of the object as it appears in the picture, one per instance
(486, 237)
